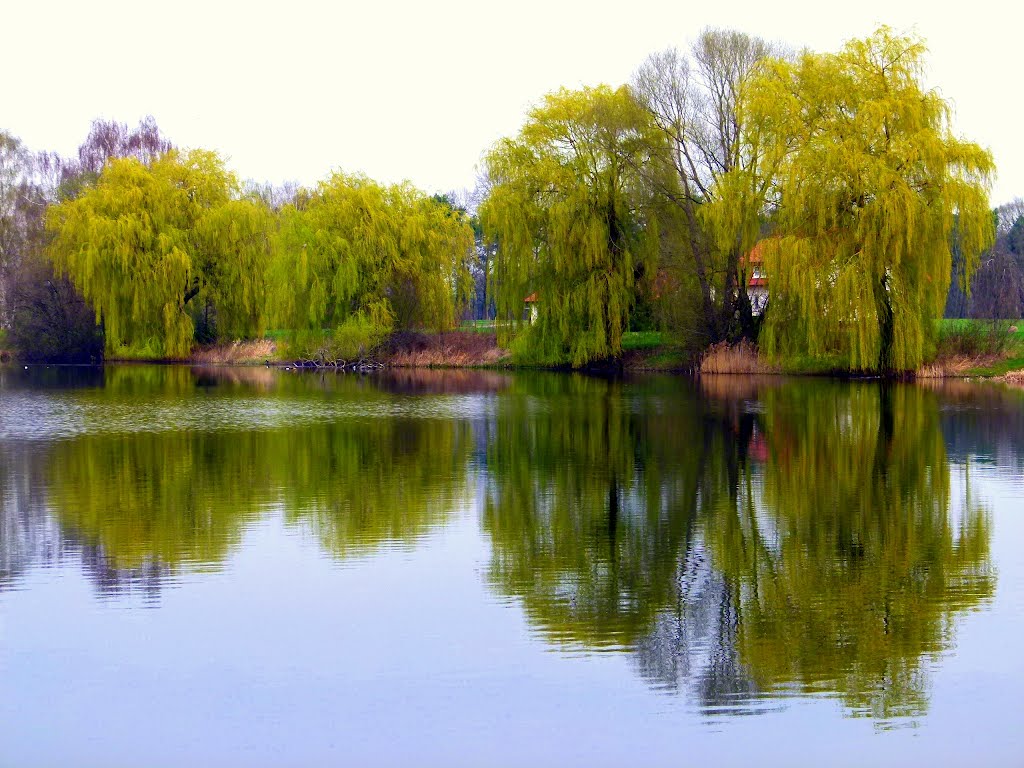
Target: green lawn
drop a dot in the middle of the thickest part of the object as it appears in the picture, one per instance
(979, 338)
(478, 326)
(642, 339)
(1004, 366)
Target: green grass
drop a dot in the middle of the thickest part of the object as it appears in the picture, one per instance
(642, 340)
(976, 338)
(1004, 366)
(668, 359)
(947, 324)
(478, 326)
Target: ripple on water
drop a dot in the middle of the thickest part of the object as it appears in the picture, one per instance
(56, 416)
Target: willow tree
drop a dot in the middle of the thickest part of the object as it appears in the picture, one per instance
(870, 188)
(565, 210)
(145, 241)
(709, 172)
(356, 254)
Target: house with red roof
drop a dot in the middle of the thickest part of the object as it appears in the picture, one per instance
(757, 280)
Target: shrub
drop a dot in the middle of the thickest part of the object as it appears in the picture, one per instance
(358, 337)
(974, 338)
(50, 321)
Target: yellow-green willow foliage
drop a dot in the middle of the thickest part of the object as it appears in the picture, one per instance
(564, 211)
(849, 559)
(356, 251)
(872, 186)
(146, 240)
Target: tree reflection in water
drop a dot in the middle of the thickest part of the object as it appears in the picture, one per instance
(741, 545)
(140, 507)
(742, 540)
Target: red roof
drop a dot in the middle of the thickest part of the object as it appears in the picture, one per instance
(531, 298)
(755, 257)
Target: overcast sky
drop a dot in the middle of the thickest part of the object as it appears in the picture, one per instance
(418, 90)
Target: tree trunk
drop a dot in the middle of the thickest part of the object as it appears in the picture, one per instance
(886, 331)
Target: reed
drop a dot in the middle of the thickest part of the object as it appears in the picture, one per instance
(741, 358)
(456, 349)
(954, 366)
(236, 353)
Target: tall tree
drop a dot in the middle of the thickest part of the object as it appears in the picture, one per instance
(870, 187)
(106, 140)
(49, 320)
(566, 210)
(997, 288)
(17, 196)
(148, 239)
(709, 172)
(356, 252)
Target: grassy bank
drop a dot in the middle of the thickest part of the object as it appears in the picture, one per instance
(976, 348)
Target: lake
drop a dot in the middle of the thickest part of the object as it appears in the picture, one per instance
(268, 567)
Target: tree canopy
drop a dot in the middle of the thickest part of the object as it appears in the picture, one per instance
(147, 239)
(708, 174)
(870, 184)
(356, 251)
(566, 212)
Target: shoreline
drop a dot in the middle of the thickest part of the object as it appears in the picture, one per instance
(470, 350)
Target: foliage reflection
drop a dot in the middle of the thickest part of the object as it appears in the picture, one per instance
(796, 536)
(184, 497)
(741, 540)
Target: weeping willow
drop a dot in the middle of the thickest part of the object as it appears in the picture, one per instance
(564, 211)
(147, 242)
(355, 251)
(870, 188)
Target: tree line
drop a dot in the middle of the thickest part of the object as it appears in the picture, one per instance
(144, 249)
(613, 209)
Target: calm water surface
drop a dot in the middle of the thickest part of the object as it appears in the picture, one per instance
(259, 567)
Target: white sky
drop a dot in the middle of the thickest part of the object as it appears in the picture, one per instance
(418, 90)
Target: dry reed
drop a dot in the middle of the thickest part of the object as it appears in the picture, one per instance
(450, 350)
(235, 353)
(954, 366)
(741, 358)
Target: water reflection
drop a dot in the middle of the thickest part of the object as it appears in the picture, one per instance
(141, 506)
(782, 537)
(983, 421)
(848, 568)
(588, 505)
(741, 540)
